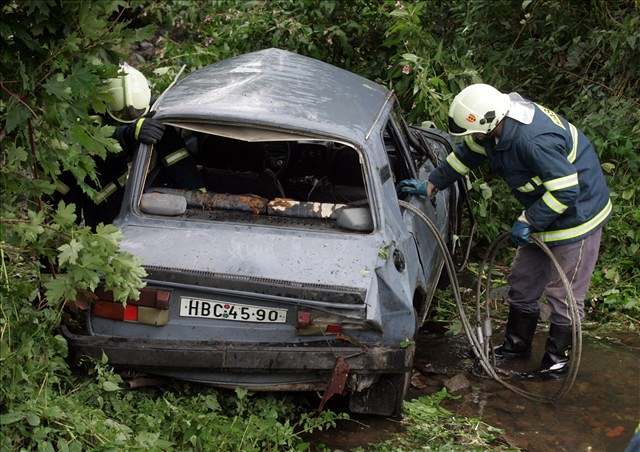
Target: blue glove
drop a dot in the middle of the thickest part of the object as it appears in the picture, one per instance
(413, 187)
(520, 232)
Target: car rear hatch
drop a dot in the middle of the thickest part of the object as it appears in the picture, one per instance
(271, 287)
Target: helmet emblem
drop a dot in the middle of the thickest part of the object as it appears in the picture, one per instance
(471, 117)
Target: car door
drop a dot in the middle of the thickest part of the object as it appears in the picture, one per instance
(430, 147)
(404, 166)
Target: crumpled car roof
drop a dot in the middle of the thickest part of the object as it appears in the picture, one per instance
(277, 89)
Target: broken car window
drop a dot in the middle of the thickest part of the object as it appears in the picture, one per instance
(298, 183)
(395, 148)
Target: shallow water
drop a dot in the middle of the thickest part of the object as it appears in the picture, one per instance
(599, 414)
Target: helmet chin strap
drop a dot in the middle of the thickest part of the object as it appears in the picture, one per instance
(497, 130)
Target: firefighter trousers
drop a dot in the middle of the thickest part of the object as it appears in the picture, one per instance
(533, 274)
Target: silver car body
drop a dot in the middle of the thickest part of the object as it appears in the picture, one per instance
(383, 279)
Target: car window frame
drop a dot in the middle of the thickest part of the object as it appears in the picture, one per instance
(401, 144)
(142, 161)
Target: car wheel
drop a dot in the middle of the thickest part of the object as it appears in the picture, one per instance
(385, 396)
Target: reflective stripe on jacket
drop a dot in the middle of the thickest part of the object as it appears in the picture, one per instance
(551, 168)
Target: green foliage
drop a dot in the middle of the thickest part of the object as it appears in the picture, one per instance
(424, 73)
(52, 73)
(54, 55)
(616, 281)
(101, 414)
(429, 426)
(197, 34)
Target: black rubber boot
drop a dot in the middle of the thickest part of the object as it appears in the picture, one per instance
(521, 326)
(555, 361)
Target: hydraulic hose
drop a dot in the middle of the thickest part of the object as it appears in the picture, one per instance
(479, 338)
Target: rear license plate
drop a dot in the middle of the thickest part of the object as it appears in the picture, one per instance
(215, 309)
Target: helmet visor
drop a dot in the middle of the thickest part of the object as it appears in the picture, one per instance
(455, 128)
(129, 114)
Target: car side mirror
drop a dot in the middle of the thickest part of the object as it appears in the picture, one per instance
(163, 204)
(355, 218)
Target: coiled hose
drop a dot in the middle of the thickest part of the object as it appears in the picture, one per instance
(480, 336)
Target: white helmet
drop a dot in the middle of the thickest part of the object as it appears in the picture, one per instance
(478, 108)
(129, 95)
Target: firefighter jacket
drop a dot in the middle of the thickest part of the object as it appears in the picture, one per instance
(178, 170)
(551, 168)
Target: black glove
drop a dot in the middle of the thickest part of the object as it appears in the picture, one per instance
(147, 130)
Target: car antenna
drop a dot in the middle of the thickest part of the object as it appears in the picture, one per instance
(175, 80)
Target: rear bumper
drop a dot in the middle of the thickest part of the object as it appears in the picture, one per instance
(199, 356)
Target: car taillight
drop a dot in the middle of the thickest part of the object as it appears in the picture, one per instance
(109, 310)
(304, 319)
(131, 313)
(314, 323)
(151, 308)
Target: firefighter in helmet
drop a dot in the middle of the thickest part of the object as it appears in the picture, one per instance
(553, 170)
(128, 109)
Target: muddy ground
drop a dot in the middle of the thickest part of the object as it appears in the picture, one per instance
(599, 414)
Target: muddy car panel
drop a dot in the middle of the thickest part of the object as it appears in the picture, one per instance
(354, 297)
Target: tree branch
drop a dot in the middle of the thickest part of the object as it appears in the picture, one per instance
(595, 82)
(20, 98)
(32, 145)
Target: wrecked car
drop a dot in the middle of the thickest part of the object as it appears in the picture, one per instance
(294, 268)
